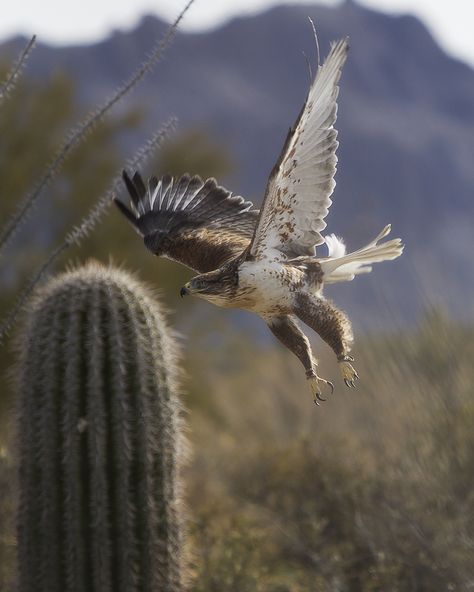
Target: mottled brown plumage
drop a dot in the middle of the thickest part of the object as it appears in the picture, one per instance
(265, 262)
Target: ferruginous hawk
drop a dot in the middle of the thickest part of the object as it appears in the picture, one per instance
(265, 261)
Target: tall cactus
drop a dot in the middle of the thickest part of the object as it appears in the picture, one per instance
(100, 440)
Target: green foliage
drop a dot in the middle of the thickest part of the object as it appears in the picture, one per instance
(33, 124)
(100, 439)
(194, 152)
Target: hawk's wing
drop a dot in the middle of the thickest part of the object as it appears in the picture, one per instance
(195, 222)
(301, 183)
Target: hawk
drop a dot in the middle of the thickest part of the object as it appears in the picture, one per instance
(265, 261)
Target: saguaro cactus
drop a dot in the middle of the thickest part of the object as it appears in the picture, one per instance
(99, 440)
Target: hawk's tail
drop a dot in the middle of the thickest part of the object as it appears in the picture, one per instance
(339, 267)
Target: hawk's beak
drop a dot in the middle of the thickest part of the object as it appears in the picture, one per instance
(184, 290)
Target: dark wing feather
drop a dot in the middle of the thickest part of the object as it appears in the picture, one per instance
(195, 222)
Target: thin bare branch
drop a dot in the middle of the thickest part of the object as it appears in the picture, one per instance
(78, 133)
(95, 214)
(85, 227)
(16, 71)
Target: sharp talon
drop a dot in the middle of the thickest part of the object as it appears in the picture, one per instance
(349, 374)
(316, 384)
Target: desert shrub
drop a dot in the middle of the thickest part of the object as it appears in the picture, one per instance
(373, 491)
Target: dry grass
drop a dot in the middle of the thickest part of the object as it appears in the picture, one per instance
(371, 491)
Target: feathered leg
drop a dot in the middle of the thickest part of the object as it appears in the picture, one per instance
(333, 326)
(286, 329)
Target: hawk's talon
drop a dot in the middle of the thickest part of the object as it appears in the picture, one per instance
(316, 389)
(349, 374)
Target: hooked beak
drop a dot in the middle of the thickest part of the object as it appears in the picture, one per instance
(184, 290)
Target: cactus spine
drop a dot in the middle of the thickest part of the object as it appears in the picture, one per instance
(100, 440)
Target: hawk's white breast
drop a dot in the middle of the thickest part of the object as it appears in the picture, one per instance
(272, 284)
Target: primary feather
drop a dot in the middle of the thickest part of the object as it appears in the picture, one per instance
(298, 194)
(195, 222)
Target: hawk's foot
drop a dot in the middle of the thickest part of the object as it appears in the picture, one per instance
(317, 384)
(349, 374)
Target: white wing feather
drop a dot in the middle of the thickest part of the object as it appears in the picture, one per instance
(298, 193)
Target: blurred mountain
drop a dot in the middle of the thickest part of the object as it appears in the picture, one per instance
(406, 122)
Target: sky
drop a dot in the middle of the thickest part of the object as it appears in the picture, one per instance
(71, 22)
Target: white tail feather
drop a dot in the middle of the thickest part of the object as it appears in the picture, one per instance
(340, 267)
(336, 246)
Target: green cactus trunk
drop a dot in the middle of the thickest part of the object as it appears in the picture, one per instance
(100, 440)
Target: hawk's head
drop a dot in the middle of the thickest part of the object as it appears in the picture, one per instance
(216, 286)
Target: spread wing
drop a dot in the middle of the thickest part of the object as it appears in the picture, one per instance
(298, 193)
(195, 222)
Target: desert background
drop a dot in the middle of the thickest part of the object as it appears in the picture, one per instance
(372, 491)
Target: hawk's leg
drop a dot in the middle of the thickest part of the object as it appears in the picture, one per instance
(286, 329)
(334, 328)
